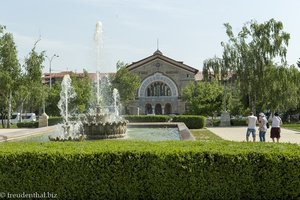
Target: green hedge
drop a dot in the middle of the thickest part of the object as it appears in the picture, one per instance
(238, 122)
(191, 121)
(157, 170)
(147, 118)
(28, 124)
(55, 120)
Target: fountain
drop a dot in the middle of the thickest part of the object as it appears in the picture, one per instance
(102, 122)
(70, 128)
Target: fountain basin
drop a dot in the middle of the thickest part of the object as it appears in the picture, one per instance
(42, 134)
(107, 130)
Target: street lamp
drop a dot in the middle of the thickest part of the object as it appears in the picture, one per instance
(50, 61)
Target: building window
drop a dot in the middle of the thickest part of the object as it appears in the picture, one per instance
(158, 89)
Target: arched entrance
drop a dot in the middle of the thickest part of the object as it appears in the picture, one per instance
(148, 109)
(158, 110)
(168, 109)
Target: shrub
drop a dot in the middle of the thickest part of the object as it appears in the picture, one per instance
(157, 170)
(238, 122)
(54, 120)
(147, 118)
(191, 121)
(28, 124)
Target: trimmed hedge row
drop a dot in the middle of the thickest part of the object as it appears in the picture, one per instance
(147, 118)
(28, 124)
(55, 120)
(238, 122)
(157, 170)
(191, 121)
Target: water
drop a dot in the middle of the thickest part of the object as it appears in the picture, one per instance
(116, 98)
(105, 110)
(98, 42)
(67, 93)
(152, 134)
(145, 134)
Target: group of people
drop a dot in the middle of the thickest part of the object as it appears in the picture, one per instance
(263, 126)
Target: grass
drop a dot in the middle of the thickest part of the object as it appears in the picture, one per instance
(204, 134)
(11, 126)
(295, 126)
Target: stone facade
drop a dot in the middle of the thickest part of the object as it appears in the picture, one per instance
(162, 82)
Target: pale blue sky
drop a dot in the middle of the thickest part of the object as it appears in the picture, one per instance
(189, 30)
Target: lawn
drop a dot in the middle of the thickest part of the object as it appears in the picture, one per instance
(295, 126)
(204, 134)
(11, 126)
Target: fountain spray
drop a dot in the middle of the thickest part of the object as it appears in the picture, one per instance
(98, 41)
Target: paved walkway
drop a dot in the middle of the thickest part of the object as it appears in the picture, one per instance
(227, 133)
(10, 134)
(239, 134)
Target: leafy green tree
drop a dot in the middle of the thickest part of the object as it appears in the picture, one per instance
(36, 92)
(250, 52)
(214, 68)
(126, 82)
(204, 98)
(53, 99)
(83, 88)
(10, 71)
(282, 93)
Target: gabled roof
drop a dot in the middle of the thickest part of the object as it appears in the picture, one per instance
(158, 55)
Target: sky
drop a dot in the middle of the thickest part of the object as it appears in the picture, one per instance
(189, 31)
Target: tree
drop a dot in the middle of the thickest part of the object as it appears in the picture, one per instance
(215, 69)
(53, 99)
(249, 54)
(126, 82)
(10, 71)
(204, 98)
(36, 92)
(283, 88)
(83, 88)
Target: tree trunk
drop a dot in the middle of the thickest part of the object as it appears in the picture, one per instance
(21, 111)
(254, 105)
(9, 109)
(2, 120)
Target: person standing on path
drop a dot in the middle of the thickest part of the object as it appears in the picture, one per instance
(275, 130)
(262, 127)
(251, 121)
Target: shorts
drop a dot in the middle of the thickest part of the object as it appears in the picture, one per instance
(275, 132)
(251, 130)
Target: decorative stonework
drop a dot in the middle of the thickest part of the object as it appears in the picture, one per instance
(158, 77)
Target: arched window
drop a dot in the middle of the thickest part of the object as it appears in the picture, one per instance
(158, 89)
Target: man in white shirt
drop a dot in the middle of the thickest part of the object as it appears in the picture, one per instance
(275, 130)
(252, 121)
